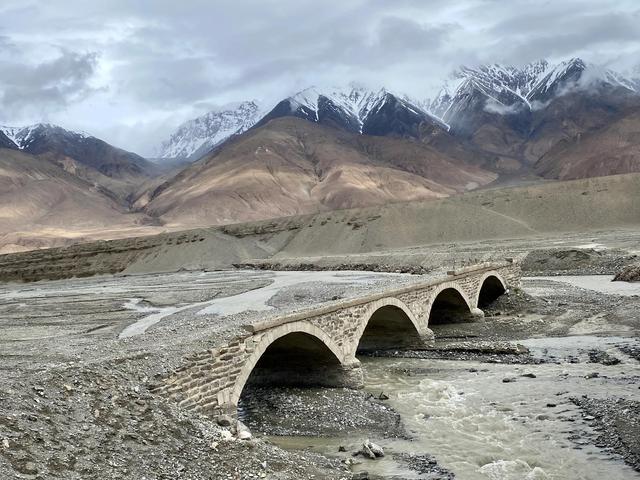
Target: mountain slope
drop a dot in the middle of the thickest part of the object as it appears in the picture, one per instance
(520, 114)
(612, 149)
(116, 171)
(40, 202)
(291, 166)
(6, 142)
(197, 137)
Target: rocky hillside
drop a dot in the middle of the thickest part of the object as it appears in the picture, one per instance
(41, 203)
(291, 166)
(117, 172)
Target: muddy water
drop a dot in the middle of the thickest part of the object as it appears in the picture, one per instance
(480, 427)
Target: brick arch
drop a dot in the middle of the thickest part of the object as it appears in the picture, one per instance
(274, 334)
(374, 307)
(448, 286)
(483, 278)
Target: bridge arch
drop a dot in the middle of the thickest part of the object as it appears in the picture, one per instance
(388, 323)
(318, 360)
(491, 286)
(448, 303)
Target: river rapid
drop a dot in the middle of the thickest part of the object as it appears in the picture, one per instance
(479, 426)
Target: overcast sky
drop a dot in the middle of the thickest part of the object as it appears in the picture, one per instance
(129, 71)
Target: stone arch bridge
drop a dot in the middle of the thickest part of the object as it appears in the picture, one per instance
(318, 347)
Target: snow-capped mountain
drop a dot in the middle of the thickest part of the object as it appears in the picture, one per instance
(508, 89)
(27, 137)
(196, 137)
(353, 108)
(459, 107)
(357, 110)
(62, 146)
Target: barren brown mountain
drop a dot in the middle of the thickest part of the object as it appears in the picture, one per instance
(116, 172)
(291, 166)
(612, 149)
(43, 205)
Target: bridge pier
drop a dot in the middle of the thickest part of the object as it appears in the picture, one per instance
(477, 314)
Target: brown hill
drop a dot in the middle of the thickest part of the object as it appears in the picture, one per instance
(40, 203)
(520, 138)
(117, 172)
(612, 149)
(472, 223)
(291, 166)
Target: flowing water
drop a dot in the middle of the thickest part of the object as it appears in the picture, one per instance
(479, 427)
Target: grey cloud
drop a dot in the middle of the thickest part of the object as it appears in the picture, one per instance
(48, 85)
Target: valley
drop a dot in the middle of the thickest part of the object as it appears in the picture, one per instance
(321, 150)
(66, 355)
(341, 282)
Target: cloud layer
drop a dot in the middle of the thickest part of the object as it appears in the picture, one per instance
(131, 71)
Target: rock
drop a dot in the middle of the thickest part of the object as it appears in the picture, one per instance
(631, 273)
(551, 405)
(383, 396)
(226, 435)
(528, 375)
(213, 445)
(360, 476)
(243, 431)
(376, 449)
(370, 450)
(508, 380)
(366, 452)
(30, 468)
(342, 448)
(224, 420)
(5, 442)
(592, 375)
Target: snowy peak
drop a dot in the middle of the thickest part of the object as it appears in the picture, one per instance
(201, 134)
(509, 89)
(353, 101)
(357, 109)
(557, 78)
(25, 137)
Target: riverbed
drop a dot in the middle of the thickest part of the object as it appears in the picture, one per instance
(478, 426)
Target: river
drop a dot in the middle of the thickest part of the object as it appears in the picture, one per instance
(479, 427)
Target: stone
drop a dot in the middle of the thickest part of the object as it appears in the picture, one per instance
(366, 452)
(383, 396)
(376, 449)
(243, 431)
(528, 375)
(342, 448)
(5, 442)
(30, 468)
(508, 380)
(224, 420)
